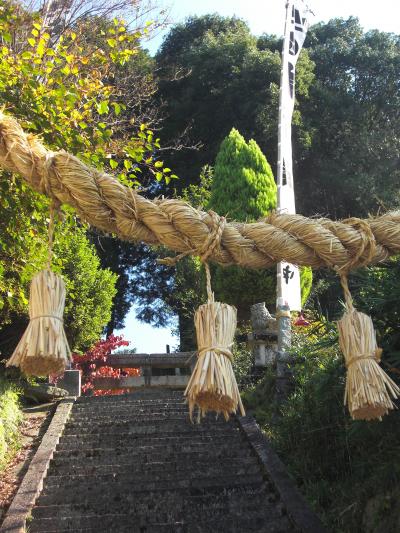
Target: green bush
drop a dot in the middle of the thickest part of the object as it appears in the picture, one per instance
(347, 469)
(10, 419)
(243, 186)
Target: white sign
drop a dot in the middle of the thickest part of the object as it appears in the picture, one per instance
(290, 282)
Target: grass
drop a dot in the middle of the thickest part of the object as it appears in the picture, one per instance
(10, 420)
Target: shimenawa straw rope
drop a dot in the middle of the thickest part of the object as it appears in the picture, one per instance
(105, 203)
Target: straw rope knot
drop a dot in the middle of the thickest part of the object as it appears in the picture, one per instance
(362, 256)
(45, 184)
(220, 350)
(366, 246)
(213, 241)
(376, 356)
(209, 246)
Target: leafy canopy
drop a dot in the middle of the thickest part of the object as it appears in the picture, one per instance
(66, 92)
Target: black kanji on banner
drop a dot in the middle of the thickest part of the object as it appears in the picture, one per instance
(287, 274)
(296, 40)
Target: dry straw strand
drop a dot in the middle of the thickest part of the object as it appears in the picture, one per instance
(212, 385)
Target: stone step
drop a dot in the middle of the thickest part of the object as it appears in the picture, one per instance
(181, 422)
(130, 408)
(177, 500)
(256, 521)
(89, 417)
(136, 463)
(160, 453)
(152, 448)
(103, 402)
(137, 414)
(207, 475)
(212, 472)
(180, 416)
(126, 494)
(178, 465)
(143, 395)
(119, 441)
(168, 425)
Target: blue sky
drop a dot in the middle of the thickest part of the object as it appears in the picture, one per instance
(263, 16)
(267, 16)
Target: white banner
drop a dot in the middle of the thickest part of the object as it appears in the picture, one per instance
(295, 33)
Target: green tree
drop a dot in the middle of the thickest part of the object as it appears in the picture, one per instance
(23, 252)
(243, 188)
(352, 118)
(90, 289)
(215, 75)
(68, 94)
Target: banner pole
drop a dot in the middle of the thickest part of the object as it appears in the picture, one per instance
(280, 169)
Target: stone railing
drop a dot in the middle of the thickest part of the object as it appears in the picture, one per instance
(168, 370)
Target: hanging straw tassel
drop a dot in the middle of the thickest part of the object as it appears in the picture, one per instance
(369, 390)
(43, 348)
(212, 385)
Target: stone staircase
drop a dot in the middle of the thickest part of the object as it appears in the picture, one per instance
(135, 463)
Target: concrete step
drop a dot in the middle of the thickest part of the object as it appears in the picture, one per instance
(99, 417)
(135, 463)
(158, 473)
(118, 519)
(125, 401)
(142, 395)
(147, 421)
(130, 406)
(129, 429)
(147, 424)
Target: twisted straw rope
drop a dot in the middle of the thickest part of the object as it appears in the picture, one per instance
(106, 204)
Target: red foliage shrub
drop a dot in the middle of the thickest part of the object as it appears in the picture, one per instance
(93, 364)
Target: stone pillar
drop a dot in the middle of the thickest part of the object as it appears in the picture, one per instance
(146, 372)
(283, 371)
(263, 338)
(71, 382)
